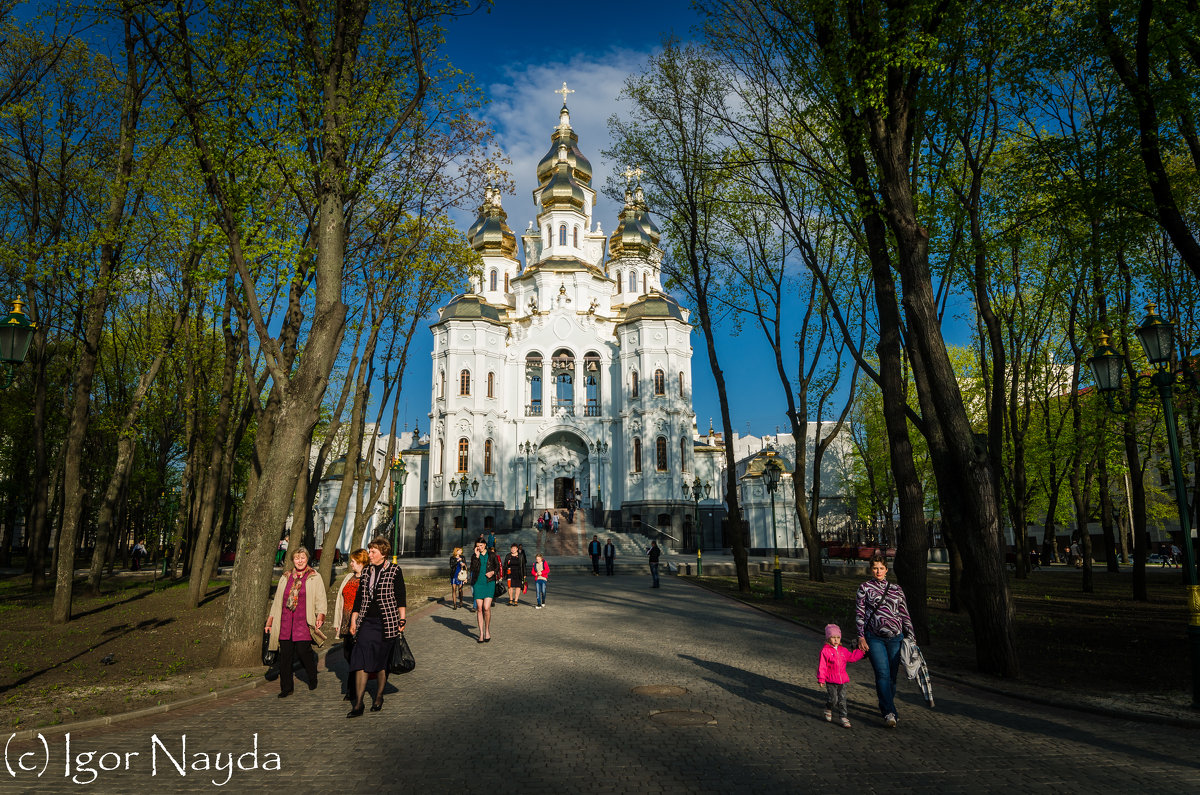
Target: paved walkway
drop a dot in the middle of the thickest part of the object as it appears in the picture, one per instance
(550, 706)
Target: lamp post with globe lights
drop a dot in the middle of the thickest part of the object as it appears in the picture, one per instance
(463, 489)
(771, 473)
(695, 490)
(16, 332)
(399, 473)
(1157, 338)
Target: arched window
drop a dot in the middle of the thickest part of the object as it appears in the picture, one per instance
(464, 455)
(681, 384)
(562, 234)
(660, 382)
(576, 238)
(660, 454)
(683, 456)
(464, 382)
(487, 457)
(491, 385)
(632, 282)
(620, 282)
(644, 290)
(549, 235)
(492, 281)
(633, 384)
(533, 384)
(637, 454)
(506, 281)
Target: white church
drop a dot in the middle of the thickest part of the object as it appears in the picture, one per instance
(568, 378)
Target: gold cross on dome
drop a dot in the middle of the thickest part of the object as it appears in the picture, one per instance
(564, 91)
(632, 173)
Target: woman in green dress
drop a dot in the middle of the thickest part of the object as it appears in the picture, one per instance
(484, 571)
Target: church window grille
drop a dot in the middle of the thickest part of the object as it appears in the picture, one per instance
(487, 457)
(637, 455)
(633, 384)
(660, 382)
(562, 234)
(464, 382)
(660, 454)
(491, 385)
(492, 282)
(464, 455)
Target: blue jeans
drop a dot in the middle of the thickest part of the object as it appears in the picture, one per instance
(540, 588)
(884, 654)
(654, 573)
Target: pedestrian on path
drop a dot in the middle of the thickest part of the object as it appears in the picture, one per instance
(298, 608)
(491, 541)
(594, 551)
(554, 521)
(281, 550)
(347, 591)
(541, 573)
(881, 615)
(458, 578)
(378, 619)
(139, 552)
(570, 510)
(610, 553)
(514, 575)
(832, 675)
(483, 578)
(654, 552)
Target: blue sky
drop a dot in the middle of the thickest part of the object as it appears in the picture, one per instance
(520, 54)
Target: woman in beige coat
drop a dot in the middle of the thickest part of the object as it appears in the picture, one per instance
(299, 609)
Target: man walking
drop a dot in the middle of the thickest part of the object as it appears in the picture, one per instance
(654, 552)
(594, 551)
(610, 552)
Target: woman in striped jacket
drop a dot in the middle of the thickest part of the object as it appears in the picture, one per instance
(881, 615)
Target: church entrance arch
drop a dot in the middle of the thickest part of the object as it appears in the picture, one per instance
(562, 468)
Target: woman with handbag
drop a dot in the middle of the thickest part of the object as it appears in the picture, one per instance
(347, 590)
(484, 577)
(297, 614)
(881, 614)
(514, 575)
(458, 577)
(378, 619)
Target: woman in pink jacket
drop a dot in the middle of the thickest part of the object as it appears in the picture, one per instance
(831, 672)
(541, 573)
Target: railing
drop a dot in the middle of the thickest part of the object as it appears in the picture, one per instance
(533, 409)
(591, 411)
(567, 408)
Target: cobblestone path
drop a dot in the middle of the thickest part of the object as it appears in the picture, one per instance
(550, 705)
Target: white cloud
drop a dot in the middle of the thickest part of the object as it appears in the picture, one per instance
(524, 112)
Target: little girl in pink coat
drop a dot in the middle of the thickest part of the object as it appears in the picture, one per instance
(831, 672)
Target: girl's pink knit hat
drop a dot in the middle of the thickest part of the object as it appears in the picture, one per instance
(831, 630)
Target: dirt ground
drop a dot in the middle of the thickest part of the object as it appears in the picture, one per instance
(161, 651)
(1069, 642)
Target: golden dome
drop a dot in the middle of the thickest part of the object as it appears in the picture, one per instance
(636, 233)
(490, 235)
(562, 190)
(581, 168)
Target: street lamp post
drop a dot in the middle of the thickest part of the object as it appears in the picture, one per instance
(694, 491)
(771, 472)
(16, 332)
(527, 450)
(1157, 338)
(600, 449)
(464, 489)
(399, 473)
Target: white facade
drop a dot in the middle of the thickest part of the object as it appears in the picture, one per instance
(570, 374)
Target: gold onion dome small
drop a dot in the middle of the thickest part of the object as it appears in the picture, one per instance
(562, 190)
(490, 234)
(581, 168)
(636, 233)
(644, 217)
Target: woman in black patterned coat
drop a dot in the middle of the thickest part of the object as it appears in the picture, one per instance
(377, 620)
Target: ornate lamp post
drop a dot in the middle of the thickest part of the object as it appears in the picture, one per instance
(527, 450)
(399, 473)
(600, 449)
(1157, 338)
(771, 473)
(16, 332)
(463, 488)
(694, 491)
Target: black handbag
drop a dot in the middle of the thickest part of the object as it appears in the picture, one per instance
(402, 657)
(269, 655)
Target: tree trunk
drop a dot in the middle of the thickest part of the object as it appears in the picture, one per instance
(85, 370)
